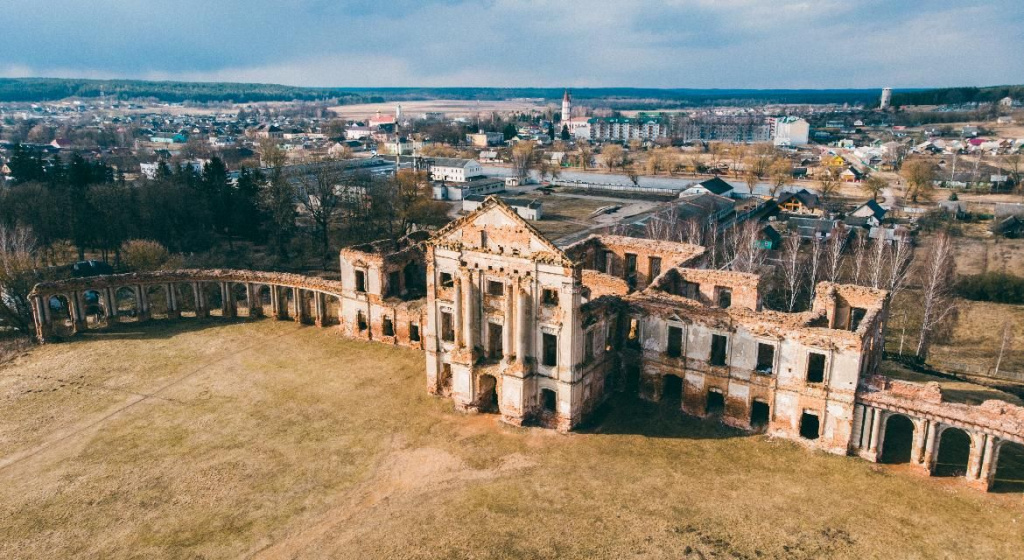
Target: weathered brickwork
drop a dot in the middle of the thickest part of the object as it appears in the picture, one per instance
(512, 324)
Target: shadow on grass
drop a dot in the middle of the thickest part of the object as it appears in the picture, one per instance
(157, 328)
(629, 415)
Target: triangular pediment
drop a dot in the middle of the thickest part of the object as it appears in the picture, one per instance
(495, 227)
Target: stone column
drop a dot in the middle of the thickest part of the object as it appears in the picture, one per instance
(987, 468)
(857, 427)
(142, 299)
(228, 308)
(917, 450)
(522, 326)
(298, 309)
(109, 304)
(77, 311)
(275, 302)
(506, 332)
(173, 311)
(876, 427)
(44, 326)
(457, 316)
(201, 308)
(252, 298)
(468, 315)
(929, 446)
(318, 309)
(976, 457)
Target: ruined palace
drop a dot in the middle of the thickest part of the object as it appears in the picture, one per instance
(510, 323)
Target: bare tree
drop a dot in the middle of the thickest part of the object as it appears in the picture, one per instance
(937, 301)
(750, 255)
(523, 159)
(919, 174)
(319, 194)
(780, 173)
(834, 250)
(860, 251)
(874, 185)
(878, 254)
(792, 268)
(613, 155)
(901, 256)
(17, 247)
(816, 262)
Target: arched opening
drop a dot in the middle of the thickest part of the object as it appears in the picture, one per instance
(60, 316)
(213, 298)
(240, 298)
(127, 303)
(671, 389)
(716, 404)
(954, 453)
(186, 298)
(414, 281)
(308, 305)
(898, 440)
(95, 312)
(156, 297)
(1009, 475)
(487, 393)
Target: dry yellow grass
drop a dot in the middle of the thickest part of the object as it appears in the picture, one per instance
(270, 440)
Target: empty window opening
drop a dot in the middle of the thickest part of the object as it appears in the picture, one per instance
(630, 264)
(550, 346)
(607, 262)
(856, 316)
(361, 320)
(724, 297)
(446, 378)
(414, 332)
(388, 327)
(494, 349)
(549, 297)
(633, 337)
(588, 345)
(672, 389)
(719, 343)
(495, 288)
(483, 238)
(447, 327)
(760, 413)
(765, 358)
(675, 342)
(809, 426)
(360, 281)
(446, 280)
(716, 403)
(815, 367)
(394, 283)
(655, 265)
(548, 400)
(689, 290)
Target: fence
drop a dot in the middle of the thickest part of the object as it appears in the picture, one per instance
(613, 187)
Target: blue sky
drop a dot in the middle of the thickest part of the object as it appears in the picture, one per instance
(550, 43)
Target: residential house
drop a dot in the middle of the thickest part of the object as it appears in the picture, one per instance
(802, 202)
(715, 186)
(871, 212)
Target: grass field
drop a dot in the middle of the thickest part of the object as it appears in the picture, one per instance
(271, 440)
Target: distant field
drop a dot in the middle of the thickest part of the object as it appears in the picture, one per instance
(451, 108)
(271, 440)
